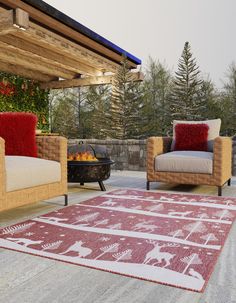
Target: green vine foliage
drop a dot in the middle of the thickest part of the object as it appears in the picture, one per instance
(22, 95)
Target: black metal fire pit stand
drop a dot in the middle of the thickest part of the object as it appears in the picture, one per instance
(93, 171)
(102, 186)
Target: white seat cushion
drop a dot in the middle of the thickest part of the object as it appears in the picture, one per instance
(24, 172)
(185, 161)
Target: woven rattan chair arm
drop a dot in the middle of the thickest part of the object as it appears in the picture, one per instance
(52, 148)
(222, 164)
(2, 147)
(156, 146)
(2, 168)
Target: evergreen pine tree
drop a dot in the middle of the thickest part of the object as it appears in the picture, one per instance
(208, 96)
(64, 117)
(126, 103)
(157, 87)
(68, 113)
(98, 102)
(228, 102)
(186, 86)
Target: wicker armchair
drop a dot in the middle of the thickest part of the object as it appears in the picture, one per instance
(221, 174)
(50, 148)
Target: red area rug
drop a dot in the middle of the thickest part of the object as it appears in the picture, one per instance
(166, 238)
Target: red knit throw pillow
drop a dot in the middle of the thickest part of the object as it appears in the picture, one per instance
(18, 131)
(191, 137)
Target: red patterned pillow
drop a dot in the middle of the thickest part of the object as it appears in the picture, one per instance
(191, 137)
(18, 131)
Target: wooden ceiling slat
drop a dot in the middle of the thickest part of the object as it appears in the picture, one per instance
(88, 81)
(65, 30)
(77, 82)
(7, 55)
(41, 36)
(36, 52)
(44, 63)
(23, 72)
(20, 17)
(52, 57)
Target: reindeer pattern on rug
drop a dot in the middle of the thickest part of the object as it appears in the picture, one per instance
(165, 238)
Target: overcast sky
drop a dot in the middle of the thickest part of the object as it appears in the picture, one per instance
(159, 28)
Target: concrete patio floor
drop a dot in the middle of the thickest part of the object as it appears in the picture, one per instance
(30, 279)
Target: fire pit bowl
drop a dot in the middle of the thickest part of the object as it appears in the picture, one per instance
(89, 171)
(97, 169)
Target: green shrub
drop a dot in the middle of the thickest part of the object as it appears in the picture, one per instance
(21, 95)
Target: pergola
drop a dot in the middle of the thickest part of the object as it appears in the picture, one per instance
(41, 43)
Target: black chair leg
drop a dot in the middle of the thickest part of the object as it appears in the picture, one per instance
(229, 182)
(148, 185)
(219, 190)
(66, 200)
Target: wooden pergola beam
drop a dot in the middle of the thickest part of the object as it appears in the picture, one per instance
(55, 58)
(38, 36)
(88, 81)
(66, 30)
(6, 19)
(45, 65)
(26, 73)
(18, 18)
(49, 40)
(21, 18)
(33, 48)
(12, 55)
